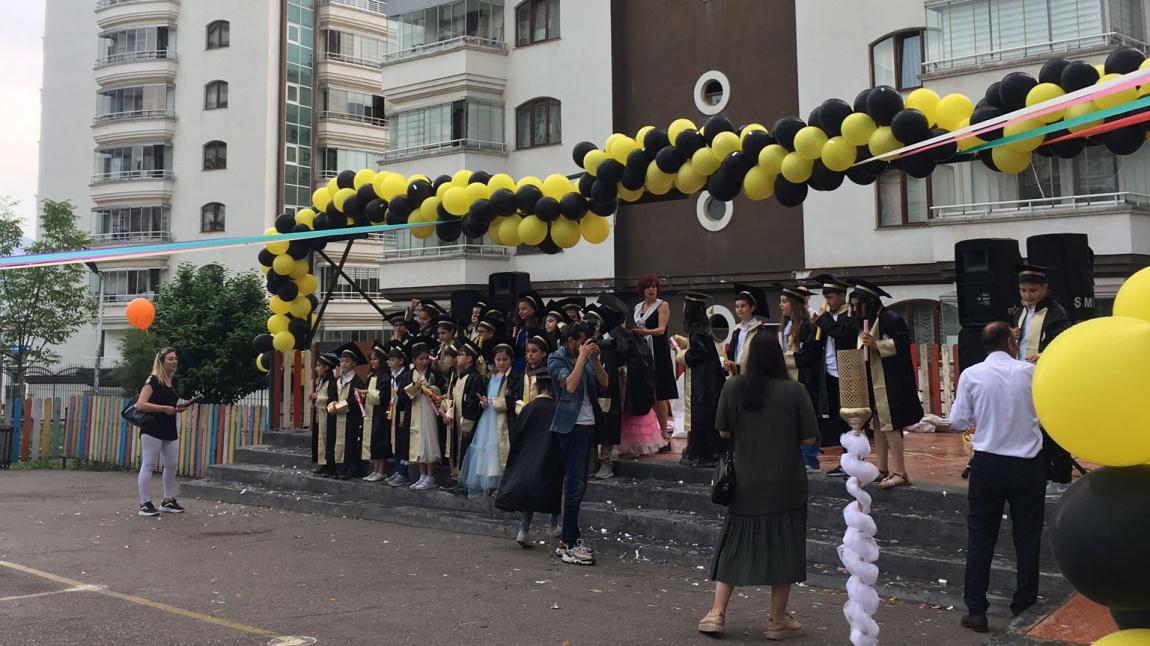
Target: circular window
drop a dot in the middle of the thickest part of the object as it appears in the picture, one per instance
(712, 92)
(713, 214)
(722, 322)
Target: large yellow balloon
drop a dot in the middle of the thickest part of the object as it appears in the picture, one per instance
(925, 101)
(705, 161)
(418, 217)
(283, 264)
(1009, 160)
(556, 186)
(320, 198)
(509, 230)
(333, 186)
(307, 284)
(277, 247)
(501, 180)
(1133, 298)
(1041, 93)
(340, 197)
(529, 180)
(838, 155)
(565, 233)
(305, 217)
(688, 180)
(455, 201)
(882, 141)
(726, 143)
(283, 341)
(618, 150)
(300, 307)
(677, 126)
(1081, 110)
(1090, 390)
(1129, 637)
(969, 141)
(657, 178)
(592, 160)
(477, 191)
(857, 128)
(758, 184)
(277, 323)
(388, 185)
(796, 168)
(493, 231)
(595, 228)
(299, 270)
(363, 177)
(532, 230)
(1116, 98)
(1024, 145)
(461, 178)
(628, 195)
(952, 109)
(809, 142)
(771, 158)
(278, 305)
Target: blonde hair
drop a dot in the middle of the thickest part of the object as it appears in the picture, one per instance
(158, 366)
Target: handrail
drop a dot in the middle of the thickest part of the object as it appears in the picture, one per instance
(347, 116)
(1065, 202)
(132, 175)
(124, 298)
(450, 43)
(104, 4)
(1033, 49)
(99, 239)
(351, 60)
(133, 115)
(431, 149)
(446, 251)
(373, 6)
(128, 57)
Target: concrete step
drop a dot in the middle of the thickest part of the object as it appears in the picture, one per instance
(297, 439)
(274, 456)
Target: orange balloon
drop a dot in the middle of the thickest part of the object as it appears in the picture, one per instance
(140, 313)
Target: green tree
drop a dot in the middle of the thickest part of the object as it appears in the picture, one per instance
(210, 317)
(41, 307)
(138, 349)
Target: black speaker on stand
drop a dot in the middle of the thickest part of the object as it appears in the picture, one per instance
(987, 287)
(504, 289)
(1069, 263)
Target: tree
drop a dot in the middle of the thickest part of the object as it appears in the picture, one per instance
(138, 349)
(41, 307)
(210, 317)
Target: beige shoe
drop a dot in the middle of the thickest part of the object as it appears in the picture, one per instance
(788, 628)
(712, 624)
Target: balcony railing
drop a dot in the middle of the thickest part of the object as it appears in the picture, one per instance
(445, 147)
(1034, 49)
(122, 237)
(1040, 206)
(134, 115)
(373, 6)
(443, 45)
(124, 298)
(447, 251)
(352, 60)
(130, 57)
(104, 4)
(132, 175)
(358, 118)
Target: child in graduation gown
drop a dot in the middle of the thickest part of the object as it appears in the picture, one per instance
(375, 436)
(345, 406)
(399, 413)
(424, 390)
(463, 408)
(322, 422)
(482, 466)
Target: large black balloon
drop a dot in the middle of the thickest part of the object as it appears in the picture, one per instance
(859, 104)
(610, 171)
(604, 191)
(716, 124)
(547, 209)
(920, 165)
(580, 151)
(942, 153)
(480, 176)
(823, 179)
(503, 201)
(266, 257)
(288, 291)
(321, 222)
(418, 191)
(298, 327)
(345, 179)
(910, 126)
(1123, 60)
(268, 358)
(473, 228)
(722, 187)
(1099, 536)
(860, 176)
(688, 141)
(831, 115)
(352, 207)
(655, 140)
(788, 194)
(883, 103)
(440, 181)
(1051, 71)
(366, 193)
(549, 246)
(985, 112)
(737, 165)
(669, 160)
(987, 160)
(634, 171)
(755, 141)
(1123, 141)
(449, 231)
(1067, 149)
(375, 211)
(1078, 75)
(993, 95)
(813, 118)
(284, 223)
(262, 343)
(297, 249)
(573, 206)
(587, 180)
(482, 212)
(1014, 88)
(527, 196)
(399, 208)
(785, 130)
(603, 208)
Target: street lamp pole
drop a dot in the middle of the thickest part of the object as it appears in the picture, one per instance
(99, 324)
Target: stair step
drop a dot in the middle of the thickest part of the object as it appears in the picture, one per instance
(298, 439)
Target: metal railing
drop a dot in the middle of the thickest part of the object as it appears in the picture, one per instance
(104, 4)
(444, 147)
(134, 115)
(346, 293)
(125, 298)
(352, 60)
(132, 175)
(1033, 49)
(118, 237)
(129, 57)
(358, 118)
(373, 6)
(447, 251)
(977, 210)
(443, 45)
(326, 174)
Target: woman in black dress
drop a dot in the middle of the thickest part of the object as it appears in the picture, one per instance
(158, 436)
(652, 315)
(768, 417)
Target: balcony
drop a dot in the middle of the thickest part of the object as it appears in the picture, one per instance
(117, 13)
(446, 148)
(447, 251)
(371, 6)
(132, 185)
(1070, 205)
(1014, 56)
(133, 126)
(341, 70)
(474, 67)
(340, 129)
(451, 44)
(362, 16)
(137, 67)
(129, 237)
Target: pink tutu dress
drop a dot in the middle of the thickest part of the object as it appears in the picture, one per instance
(640, 434)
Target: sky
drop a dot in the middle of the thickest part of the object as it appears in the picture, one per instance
(21, 49)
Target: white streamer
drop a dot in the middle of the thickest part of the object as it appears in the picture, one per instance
(859, 551)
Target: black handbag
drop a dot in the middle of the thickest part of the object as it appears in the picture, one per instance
(137, 417)
(723, 481)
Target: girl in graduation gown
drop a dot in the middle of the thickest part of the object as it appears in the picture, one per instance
(375, 444)
(463, 408)
(803, 354)
(321, 419)
(527, 310)
(425, 389)
(482, 467)
(704, 382)
(399, 413)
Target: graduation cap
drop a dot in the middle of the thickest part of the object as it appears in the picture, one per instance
(490, 348)
(612, 310)
(398, 318)
(542, 338)
(446, 322)
(420, 345)
(378, 347)
(700, 297)
(481, 304)
(576, 303)
(398, 350)
(755, 296)
(869, 288)
(493, 321)
(554, 309)
(533, 298)
(467, 346)
(796, 293)
(432, 307)
(352, 350)
(829, 283)
(1031, 274)
(330, 359)
(592, 312)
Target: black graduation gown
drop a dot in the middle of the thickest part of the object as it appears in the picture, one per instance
(707, 377)
(1056, 322)
(639, 387)
(845, 333)
(810, 359)
(512, 392)
(353, 424)
(328, 386)
(533, 478)
(469, 409)
(621, 348)
(898, 373)
(399, 430)
(379, 436)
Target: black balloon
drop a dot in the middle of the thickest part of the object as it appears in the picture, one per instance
(300, 228)
(335, 217)
(1123, 141)
(482, 212)
(268, 359)
(262, 343)
(1051, 71)
(942, 153)
(1067, 149)
(993, 95)
(755, 141)
(634, 171)
(985, 112)
(503, 201)
(910, 126)
(399, 208)
(1123, 60)
(655, 140)
(860, 176)
(859, 104)
(321, 222)
(266, 257)
(603, 208)
(883, 103)
(366, 193)
(580, 151)
(440, 181)
(449, 231)
(722, 187)
(547, 209)
(288, 291)
(814, 118)
(716, 124)
(298, 327)
(688, 142)
(396, 217)
(1099, 535)
(573, 206)
(920, 165)
(604, 191)
(587, 180)
(669, 160)
(297, 249)
(418, 191)
(473, 228)
(1078, 75)
(788, 194)
(352, 207)
(527, 196)
(1014, 88)
(988, 161)
(737, 165)
(610, 171)
(785, 130)
(1129, 619)
(823, 179)
(284, 223)
(548, 246)
(345, 179)
(479, 176)
(375, 211)
(831, 115)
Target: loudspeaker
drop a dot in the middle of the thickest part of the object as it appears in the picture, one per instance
(970, 350)
(462, 300)
(1069, 263)
(986, 279)
(503, 288)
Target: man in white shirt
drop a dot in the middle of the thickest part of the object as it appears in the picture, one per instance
(994, 398)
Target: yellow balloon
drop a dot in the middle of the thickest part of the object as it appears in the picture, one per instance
(556, 186)
(1089, 385)
(260, 360)
(1129, 637)
(660, 189)
(363, 177)
(1144, 89)
(882, 141)
(771, 158)
(1025, 145)
(705, 161)
(751, 127)
(283, 264)
(1116, 98)
(509, 230)
(592, 160)
(619, 149)
(1041, 93)
(594, 228)
(299, 269)
(1010, 161)
(476, 191)
(423, 233)
(679, 125)
(442, 188)
(532, 230)
(332, 186)
(305, 217)
(1081, 110)
(565, 233)
(688, 180)
(657, 178)
(1133, 298)
(279, 246)
(628, 195)
(501, 180)
(264, 269)
(412, 178)
(796, 168)
(925, 101)
(1101, 69)
(307, 284)
(278, 305)
(857, 128)
(461, 178)
(320, 198)
(529, 180)
(758, 184)
(493, 231)
(427, 208)
(809, 142)
(277, 323)
(643, 133)
(838, 155)
(300, 307)
(969, 141)
(952, 109)
(283, 341)
(455, 201)
(726, 143)
(389, 185)
(340, 197)
(611, 141)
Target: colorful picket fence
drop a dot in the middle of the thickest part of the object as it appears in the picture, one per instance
(87, 427)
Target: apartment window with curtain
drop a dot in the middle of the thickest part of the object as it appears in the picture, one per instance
(480, 20)
(896, 60)
(140, 43)
(139, 161)
(123, 224)
(902, 199)
(122, 285)
(536, 21)
(349, 104)
(212, 217)
(538, 123)
(333, 160)
(216, 95)
(353, 48)
(215, 155)
(135, 102)
(458, 121)
(219, 34)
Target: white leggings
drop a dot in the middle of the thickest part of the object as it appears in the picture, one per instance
(151, 449)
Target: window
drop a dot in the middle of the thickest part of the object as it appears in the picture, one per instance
(215, 155)
(216, 95)
(219, 34)
(353, 48)
(142, 43)
(897, 60)
(349, 104)
(536, 21)
(366, 278)
(212, 217)
(538, 123)
(480, 20)
(135, 102)
(713, 215)
(333, 160)
(141, 161)
(477, 124)
(122, 285)
(902, 199)
(131, 223)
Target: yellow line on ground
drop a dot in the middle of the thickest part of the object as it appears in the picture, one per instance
(190, 614)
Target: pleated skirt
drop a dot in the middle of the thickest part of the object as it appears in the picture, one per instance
(762, 550)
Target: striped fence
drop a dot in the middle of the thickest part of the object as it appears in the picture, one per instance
(88, 427)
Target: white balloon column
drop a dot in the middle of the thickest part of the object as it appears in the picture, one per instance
(858, 551)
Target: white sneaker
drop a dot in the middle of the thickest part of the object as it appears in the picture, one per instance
(578, 555)
(605, 471)
(371, 477)
(522, 539)
(1055, 489)
(421, 484)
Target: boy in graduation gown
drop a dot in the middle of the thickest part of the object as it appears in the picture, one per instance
(375, 438)
(348, 412)
(399, 412)
(750, 304)
(323, 422)
(462, 407)
(445, 330)
(1041, 320)
(835, 328)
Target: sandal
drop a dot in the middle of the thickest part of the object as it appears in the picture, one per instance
(882, 475)
(786, 629)
(712, 624)
(895, 480)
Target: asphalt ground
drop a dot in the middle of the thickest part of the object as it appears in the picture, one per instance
(78, 566)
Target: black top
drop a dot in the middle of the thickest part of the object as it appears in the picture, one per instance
(162, 426)
(665, 387)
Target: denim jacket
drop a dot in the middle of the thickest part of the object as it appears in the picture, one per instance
(568, 404)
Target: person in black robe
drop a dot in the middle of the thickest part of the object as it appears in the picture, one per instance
(835, 329)
(616, 345)
(323, 422)
(463, 404)
(803, 353)
(345, 444)
(399, 413)
(706, 375)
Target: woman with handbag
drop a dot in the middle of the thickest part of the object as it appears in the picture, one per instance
(158, 436)
(767, 417)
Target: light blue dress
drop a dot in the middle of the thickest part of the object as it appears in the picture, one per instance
(482, 470)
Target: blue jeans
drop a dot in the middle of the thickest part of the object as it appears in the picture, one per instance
(525, 522)
(576, 450)
(810, 454)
